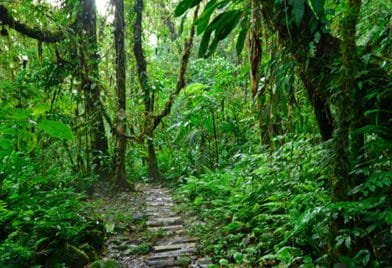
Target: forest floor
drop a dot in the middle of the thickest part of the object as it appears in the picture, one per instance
(143, 230)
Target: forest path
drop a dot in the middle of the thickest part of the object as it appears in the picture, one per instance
(162, 230)
(175, 248)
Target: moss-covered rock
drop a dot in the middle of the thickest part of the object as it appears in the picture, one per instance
(105, 264)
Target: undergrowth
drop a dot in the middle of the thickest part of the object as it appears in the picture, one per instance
(266, 209)
(274, 208)
(43, 219)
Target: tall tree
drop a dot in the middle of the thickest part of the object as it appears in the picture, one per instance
(121, 142)
(90, 86)
(85, 28)
(148, 97)
(152, 121)
(344, 111)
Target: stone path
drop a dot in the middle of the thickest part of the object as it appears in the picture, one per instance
(164, 243)
(175, 248)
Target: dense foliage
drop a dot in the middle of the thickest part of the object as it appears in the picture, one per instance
(271, 119)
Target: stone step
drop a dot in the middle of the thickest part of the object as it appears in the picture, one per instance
(156, 214)
(157, 192)
(174, 253)
(159, 199)
(183, 246)
(156, 222)
(201, 263)
(176, 248)
(168, 262)
(175, 239)
(168, 204)
(166, 228)
(159, 213)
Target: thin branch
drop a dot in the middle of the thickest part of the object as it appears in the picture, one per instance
(181, 76)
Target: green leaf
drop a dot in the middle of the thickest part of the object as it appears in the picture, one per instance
(5, 144)
(109, 227)
(40, 109)
(213, 47)
(234, 226)
(222, 25)
(195, 88)
(204, 18)
(184, 6)
(205, 40)
(298, 10)
(241, 40)
(56, 129)
(318, 8)
(238, 257)
(15, 114)
(26, 141)
(223, 262)
(362, 256)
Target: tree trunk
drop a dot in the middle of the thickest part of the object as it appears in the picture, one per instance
(151, 122)
(121, 182)
(153, 169)
(90, 82)
(314, 71)
(152, 162)
(254, 47)
(344, 110)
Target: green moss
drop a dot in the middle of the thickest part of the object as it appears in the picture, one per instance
(105, 264)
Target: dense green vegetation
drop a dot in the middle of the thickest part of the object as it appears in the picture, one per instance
(271, 119)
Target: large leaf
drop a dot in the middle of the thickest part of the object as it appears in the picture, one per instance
(205, 40)
(184, 5)
(298, 11)
(230, 20)
(15, 114)
(222, 25)
(204, 18)
(318, 8)
(56, 129)
(225, 21)
(241, 40)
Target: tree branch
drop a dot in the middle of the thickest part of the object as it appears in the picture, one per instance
(41, 35)
(181, 76)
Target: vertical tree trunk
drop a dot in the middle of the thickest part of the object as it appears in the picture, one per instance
(90, 82)
(147, 96)
(255, 51)
(254, 58)
(153, 170)
(121, 182)
(344, 105)
(314, 71)
(151, 122)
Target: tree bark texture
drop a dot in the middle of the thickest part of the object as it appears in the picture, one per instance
(314, 71)
(90, 81)
(119, 41)
(344, 106)
(255, 50)
(151, 122)
(153, 169)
